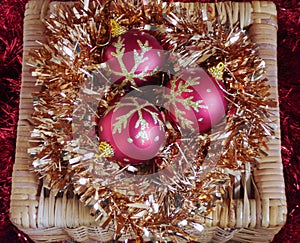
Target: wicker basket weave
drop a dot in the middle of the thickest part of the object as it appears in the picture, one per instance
(248, 217)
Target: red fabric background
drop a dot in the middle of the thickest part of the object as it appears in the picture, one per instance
(11, 29)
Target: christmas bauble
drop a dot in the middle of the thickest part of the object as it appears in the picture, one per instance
(134, 130)
(134, 59)
(195, 100)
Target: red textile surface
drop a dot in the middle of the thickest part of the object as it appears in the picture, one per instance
(11, 31)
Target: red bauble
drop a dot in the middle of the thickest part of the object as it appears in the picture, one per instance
(134, 129)
(134, 59)
(195, 100)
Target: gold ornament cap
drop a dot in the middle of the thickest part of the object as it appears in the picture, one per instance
(116, 29)
(217, 71)
(106, 150)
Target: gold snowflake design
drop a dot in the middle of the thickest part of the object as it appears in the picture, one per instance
(173, 97)
(141, 123)
(131, 75)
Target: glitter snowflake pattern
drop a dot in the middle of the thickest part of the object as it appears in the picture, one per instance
(175, 96)
(141, 124)
(131, 75)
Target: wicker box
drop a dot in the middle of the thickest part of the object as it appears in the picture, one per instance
(46, 217)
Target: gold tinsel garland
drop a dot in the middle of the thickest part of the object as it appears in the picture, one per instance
(68, 158)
